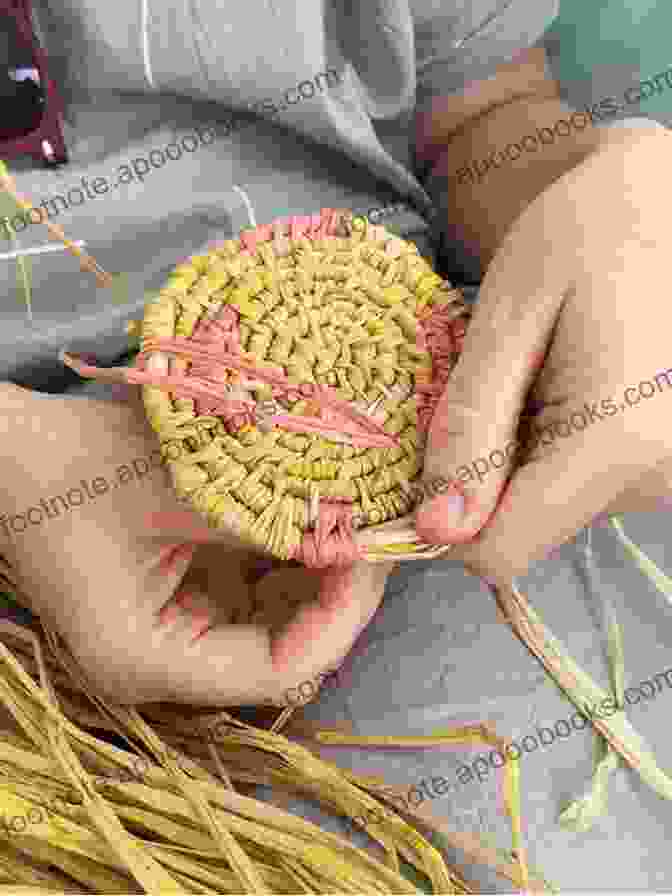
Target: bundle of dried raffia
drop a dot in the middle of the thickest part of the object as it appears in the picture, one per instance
(72, 824)
(291, 376)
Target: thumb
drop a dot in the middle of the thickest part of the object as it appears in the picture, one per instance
(586, 470)
(471, 445)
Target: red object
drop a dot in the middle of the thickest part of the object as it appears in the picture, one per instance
(45, 143)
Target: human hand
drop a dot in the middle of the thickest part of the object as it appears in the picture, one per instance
(572, 313)
(173, 612)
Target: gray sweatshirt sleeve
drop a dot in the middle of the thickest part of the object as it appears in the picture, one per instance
(330, 80)
(457, 44)
(464, 41)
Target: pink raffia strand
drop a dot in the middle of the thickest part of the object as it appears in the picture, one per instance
(222, 332)
(331, 543)
(298, 226)
(199, 350)
(442, 335)
(322, 230)
(315, 225)
(206, 390)
(327, 428)
(329, 225)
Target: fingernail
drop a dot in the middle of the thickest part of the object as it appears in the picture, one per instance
(201, 623)
(168, 614)
(439, 516)
(553, 553)
(601, 520)
(488, 584)
(504, 503)
(185, 600)
(172, 557)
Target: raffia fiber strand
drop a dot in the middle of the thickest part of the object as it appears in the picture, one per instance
(104, 836)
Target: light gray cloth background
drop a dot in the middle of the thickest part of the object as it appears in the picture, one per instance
(436, 653)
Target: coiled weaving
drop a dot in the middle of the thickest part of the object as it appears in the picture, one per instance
(291, 376)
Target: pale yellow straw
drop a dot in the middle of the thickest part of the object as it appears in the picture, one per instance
(86, 262)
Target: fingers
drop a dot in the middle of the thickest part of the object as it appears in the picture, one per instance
(471, 442)
(203, 648)
(323, 631)
(651, 493)
(189, 525)
(165, 570)
(187, 568)
(189, 614)
(549, 500)
(246, 664)
(192, 659)
(175, 559)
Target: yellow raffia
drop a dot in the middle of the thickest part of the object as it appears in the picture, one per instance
(341, 312)
(470, 735)
(182, 826)
(87, 262)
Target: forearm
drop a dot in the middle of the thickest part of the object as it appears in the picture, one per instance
(481, 207)
(487, 174)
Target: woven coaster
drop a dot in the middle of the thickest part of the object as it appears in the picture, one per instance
(291, 375)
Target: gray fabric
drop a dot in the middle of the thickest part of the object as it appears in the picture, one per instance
(461, 42)
(296, 164)
(145, 228)
(435, 654)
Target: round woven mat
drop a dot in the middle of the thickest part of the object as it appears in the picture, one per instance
(297, 370)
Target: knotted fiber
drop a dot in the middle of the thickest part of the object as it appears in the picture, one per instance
(291, 376)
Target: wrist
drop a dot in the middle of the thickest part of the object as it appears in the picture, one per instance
(452, 116)
(488, 178)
